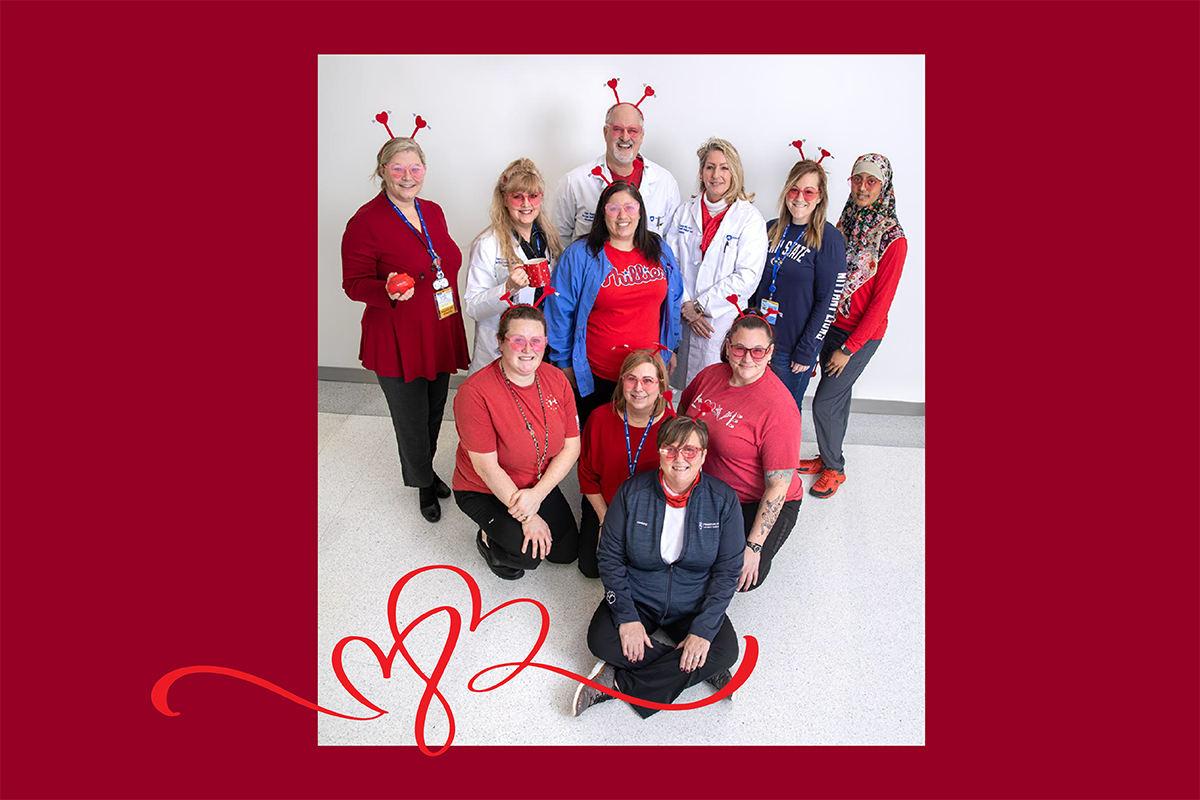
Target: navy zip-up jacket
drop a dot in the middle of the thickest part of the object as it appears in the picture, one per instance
(807, 289)
(701, 582)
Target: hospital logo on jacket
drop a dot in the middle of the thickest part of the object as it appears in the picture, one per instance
(685, 228)
(633, 276)
(611, 597)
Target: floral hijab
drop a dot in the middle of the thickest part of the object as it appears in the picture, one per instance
(868, 232)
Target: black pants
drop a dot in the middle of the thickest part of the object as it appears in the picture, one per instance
(504, 533)
(589, 540)
(416, 407)
(602, 394)
(657, 676)
(775, 539)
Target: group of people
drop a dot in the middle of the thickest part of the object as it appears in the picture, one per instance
(582, 323)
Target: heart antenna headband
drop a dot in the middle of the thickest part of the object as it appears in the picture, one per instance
(382, 119)
(507, 297)
(799, 145)
(733, 298)
(647, 92)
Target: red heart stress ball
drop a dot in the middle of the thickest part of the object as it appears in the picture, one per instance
(400, 283)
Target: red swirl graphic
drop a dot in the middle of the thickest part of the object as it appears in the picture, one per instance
(158, 694)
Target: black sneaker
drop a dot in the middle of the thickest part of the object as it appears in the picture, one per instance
(586, 697)
(431, 509)
(440, 487)
(498, 569)
(719, 680)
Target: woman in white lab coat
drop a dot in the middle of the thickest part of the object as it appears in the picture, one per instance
(720, 239)
(519, 233)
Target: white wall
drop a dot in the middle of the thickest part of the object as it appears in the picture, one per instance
(485, 111)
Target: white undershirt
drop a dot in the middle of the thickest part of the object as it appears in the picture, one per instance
(671, 544)
(715, 208)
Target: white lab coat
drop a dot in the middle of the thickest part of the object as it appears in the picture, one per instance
(487, 272)
(733, 265)
(578, 192)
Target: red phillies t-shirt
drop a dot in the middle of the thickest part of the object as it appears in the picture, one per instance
(751, 429)
(604, 458)
(488, 421)
(627, 311)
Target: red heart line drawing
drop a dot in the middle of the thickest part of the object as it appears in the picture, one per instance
(158, 694)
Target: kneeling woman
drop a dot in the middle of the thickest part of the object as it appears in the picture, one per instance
(517, 439)
(670, 556)
(755, 445)
(637, 410)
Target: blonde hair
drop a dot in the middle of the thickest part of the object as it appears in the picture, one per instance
(737, 190)
(521, 176)
(636, 359)
(816, 222)
(401, 144)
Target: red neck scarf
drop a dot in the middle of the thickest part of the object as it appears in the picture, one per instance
(711, 224)
(681, 500)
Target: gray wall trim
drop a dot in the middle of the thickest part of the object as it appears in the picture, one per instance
(902, 408)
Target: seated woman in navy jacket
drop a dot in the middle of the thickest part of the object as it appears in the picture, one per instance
(670, 556)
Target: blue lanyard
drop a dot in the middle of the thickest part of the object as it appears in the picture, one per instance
(633, 459)
(427, 241)
(777, 259)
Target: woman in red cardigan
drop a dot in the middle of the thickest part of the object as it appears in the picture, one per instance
(614, 444)
(875, 251)
(412, 337)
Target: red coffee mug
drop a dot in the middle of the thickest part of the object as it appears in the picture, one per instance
(400, 283)
(538, 272)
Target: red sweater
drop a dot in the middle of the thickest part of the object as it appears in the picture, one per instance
(402, 340)
(869, 305)
(604, 460)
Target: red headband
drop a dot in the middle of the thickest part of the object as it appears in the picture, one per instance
(798, 145)
(733, 298)
(507, 297)
(648, 92)
(382, 119)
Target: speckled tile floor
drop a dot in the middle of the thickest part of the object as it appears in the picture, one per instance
(840, 625)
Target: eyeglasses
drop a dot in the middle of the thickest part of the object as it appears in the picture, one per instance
(534, 198)
(398, 170)
(809, 193)
(519, 342)
(857, 180)
(739, 350)
(689, 451)
(647, 381)
(620, 130)
(631, 208)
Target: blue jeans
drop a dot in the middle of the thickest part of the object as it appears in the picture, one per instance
(781, 363)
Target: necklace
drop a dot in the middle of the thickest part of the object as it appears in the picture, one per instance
(538, 451)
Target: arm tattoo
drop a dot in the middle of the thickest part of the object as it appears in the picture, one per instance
(776, 479)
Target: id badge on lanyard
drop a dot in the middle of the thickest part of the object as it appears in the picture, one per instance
(443, 294)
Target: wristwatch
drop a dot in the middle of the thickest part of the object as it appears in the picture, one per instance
(755, 547)
(845, 351)
(699, 308)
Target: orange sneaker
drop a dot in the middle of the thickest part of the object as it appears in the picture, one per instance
(811, 466)
(827, 485)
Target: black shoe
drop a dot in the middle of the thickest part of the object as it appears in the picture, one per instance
(719, 680)
(499, 570)
(439, 485)
(431, 509)
(586, 697)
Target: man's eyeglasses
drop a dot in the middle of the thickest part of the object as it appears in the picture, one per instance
(620, 130)
(689, 451)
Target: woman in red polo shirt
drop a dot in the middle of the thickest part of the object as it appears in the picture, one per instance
(614, 444)
(411, 339)
(518, 437)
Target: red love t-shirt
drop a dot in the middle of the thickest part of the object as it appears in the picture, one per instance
(627, 311)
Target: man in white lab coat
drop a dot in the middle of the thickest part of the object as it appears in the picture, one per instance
(578, 192)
